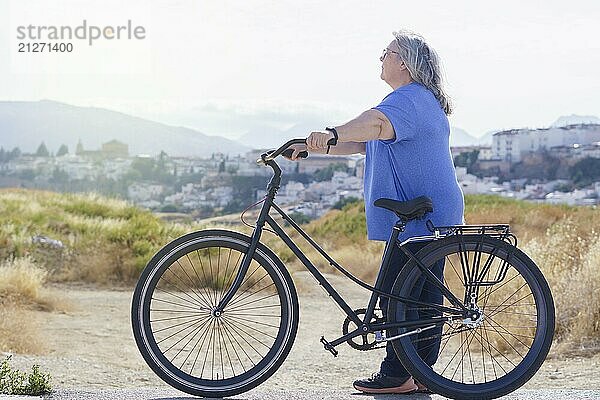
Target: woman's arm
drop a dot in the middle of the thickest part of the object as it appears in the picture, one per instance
(342, 149)
(370, 125)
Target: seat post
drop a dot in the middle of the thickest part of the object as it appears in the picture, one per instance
(400, 225)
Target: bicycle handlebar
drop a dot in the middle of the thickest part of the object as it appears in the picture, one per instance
(286, 151)
(269, 155)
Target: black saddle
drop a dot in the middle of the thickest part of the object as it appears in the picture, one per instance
(407, 210)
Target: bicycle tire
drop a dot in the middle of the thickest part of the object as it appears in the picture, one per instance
(535, 338)
(186, 293)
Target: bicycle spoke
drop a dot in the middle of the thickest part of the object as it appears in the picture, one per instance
(510, 333)
(181, 298)
(179, 341)
(235, 325)
(176, 325)
(234, 271)
(202, 268)
(226, 351)
(224, 288)
(240, 298)
(232, 334)
(186, 292)
(180, 305)
(207, 352)
(226, 330)
(225, 320)
(172, 318)
(218, 270)
(200, 297)
(508, 306)
(254, 301)
(454, 268)
(192, 351)
(193, 268)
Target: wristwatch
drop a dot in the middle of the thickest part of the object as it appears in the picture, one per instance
(334, 140)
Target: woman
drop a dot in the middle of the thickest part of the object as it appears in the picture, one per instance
(406, 142)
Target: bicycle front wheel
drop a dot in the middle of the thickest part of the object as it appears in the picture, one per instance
(490, 351)
(201, 352)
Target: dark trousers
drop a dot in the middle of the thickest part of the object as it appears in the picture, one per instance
(425, 291)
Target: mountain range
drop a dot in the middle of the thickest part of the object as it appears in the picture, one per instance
(575, 119)
(26, 124)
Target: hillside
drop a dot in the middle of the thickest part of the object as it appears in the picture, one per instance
(105, 241)
(26, 124)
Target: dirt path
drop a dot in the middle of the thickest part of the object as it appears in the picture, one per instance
(92, 347)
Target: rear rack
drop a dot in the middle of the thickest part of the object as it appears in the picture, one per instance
(500, 231)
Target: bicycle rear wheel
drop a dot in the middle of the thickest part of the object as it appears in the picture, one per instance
(491, 351)
(191, 346)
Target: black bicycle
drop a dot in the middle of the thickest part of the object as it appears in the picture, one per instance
(215, 312)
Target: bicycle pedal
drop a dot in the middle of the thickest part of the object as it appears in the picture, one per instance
(329, 347)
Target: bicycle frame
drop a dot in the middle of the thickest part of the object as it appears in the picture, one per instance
(364, 325)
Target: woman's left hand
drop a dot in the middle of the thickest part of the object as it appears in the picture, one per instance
(318, 140)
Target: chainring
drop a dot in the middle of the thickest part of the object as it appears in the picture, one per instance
(368, 339)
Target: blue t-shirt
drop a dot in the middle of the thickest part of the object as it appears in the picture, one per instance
(416, 162)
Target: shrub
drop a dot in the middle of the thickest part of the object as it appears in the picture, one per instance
(15, 382)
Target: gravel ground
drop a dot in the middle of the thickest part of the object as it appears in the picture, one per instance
(158, 394)
(91, 354)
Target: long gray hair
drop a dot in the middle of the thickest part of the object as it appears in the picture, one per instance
(423, 64)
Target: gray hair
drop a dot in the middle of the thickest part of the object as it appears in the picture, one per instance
(423, 64)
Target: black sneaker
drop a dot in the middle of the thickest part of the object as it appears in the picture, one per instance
(381, 383)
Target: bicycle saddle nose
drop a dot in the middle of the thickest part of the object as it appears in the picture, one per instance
(407, 210)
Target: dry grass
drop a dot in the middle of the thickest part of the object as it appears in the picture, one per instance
(106, 241)
(21, 282)
(21, 292)
(19, 332)
(568, 254)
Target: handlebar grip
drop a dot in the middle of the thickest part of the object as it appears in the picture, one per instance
(288, 153)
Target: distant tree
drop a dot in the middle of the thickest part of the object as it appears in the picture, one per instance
(162, 159)
(148, 169)
(325, 174)
(62, 150)
(15, 153)
(585, 171)
(299, 218)
(3, 155)
(26, 174)
(466, 159)
(145, 167)
(169, 208)
(222, 166)
(564, 187)
(42, 151)
(539, 165)
(341, 203)
(59, 176)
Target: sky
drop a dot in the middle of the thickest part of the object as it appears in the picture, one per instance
(229, 67)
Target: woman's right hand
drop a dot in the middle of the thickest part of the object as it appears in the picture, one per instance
(297, 149)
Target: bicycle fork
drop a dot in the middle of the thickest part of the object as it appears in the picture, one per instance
(254, 240)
